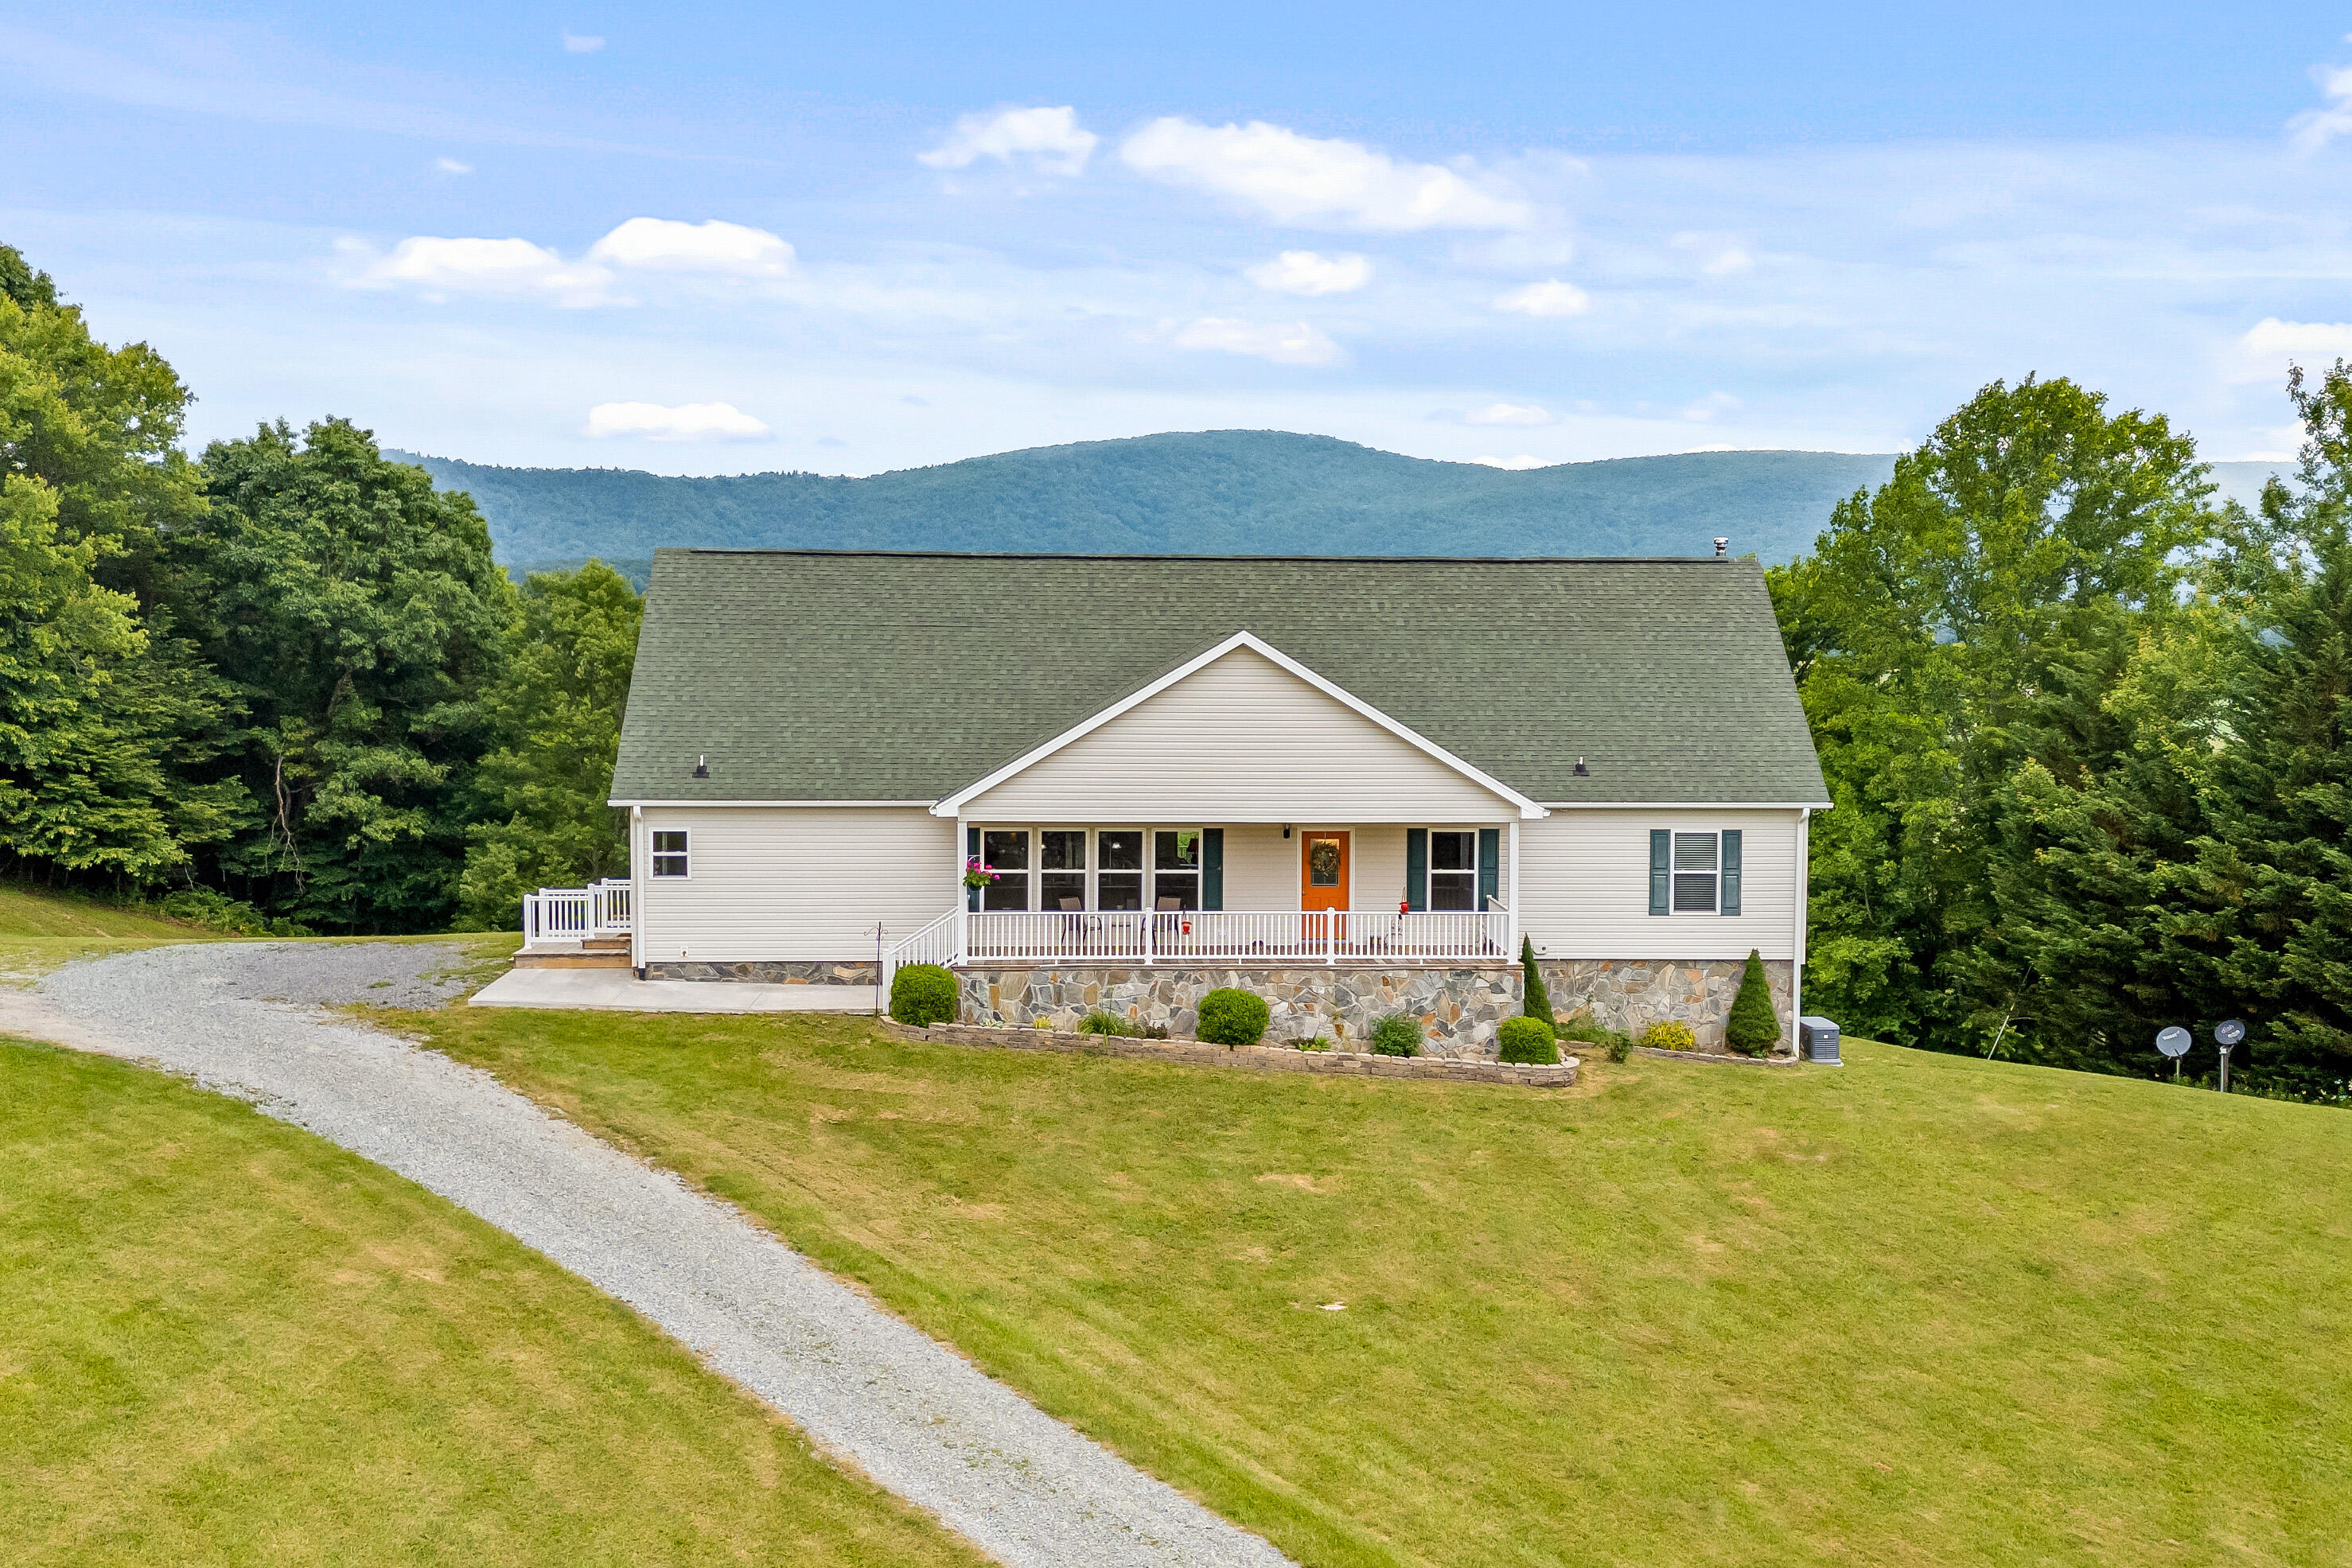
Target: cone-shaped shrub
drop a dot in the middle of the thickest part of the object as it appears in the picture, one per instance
(923, 995)
(1752, 1025)
(1229, 1017)
(1529, 1039)
(1534, 1001)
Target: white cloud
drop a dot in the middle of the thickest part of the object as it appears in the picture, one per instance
(510, 267)
(1307, 180)
(451, 166)
(1719, 256)
(663, 245)
(1051, 139)
(688, 421)
(1285, 344)
(1549, 298)
(580, 43)
(1521, 462)
(2315, 127)
(1707, 408)
(2271, 345)
(1305, 272)
(1508, 414)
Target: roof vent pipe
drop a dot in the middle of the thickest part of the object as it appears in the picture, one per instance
(702, 768)
(1721, 545)
(1581, 771)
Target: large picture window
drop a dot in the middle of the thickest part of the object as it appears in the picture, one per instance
(1005, 852)
(1452, 871)
(670, 852)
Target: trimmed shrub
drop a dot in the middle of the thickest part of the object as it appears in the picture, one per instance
(1397, 1034)
(1752, 1027)
(923, 995)
(1529, 1039)
(1534, 1001)
(1669, 1034)
(1230, 1018)
(1107, 1024)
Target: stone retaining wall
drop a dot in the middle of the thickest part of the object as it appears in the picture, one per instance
(1460, 1009)
(1257, 1057)
(1631, 993)
(771, 972)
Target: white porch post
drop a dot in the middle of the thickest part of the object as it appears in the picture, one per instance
(1511, 903)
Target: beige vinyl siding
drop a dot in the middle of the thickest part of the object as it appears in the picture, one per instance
(1241, 740)
(797, 883)
(1587, 881)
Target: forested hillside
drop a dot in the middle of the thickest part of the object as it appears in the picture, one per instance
(1220, 492)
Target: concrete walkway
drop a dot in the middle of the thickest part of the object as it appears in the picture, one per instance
(244, 1018)
(619, 991)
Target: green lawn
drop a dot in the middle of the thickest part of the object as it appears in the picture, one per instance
(1921, 1309)
(224, 1341)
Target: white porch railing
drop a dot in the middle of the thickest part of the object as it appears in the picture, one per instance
(1229, 937)
(559, 915)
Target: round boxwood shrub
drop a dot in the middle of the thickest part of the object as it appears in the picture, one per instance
(1397, 1034)
(1529, 1039)
(923, 995)
(1229, 1017)
(1669, 1034)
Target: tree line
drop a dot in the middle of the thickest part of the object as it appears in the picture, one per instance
(281, 686)
(2086, 736)
(2084, 728)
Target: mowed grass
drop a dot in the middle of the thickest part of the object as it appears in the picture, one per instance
(225, 1341)
(40, 930)
(1919, 1309)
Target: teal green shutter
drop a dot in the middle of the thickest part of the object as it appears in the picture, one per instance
(972, 853)
(1212, 868)
(1731, 871)
(1490, 864)
(1661, 870)
(1416, 868)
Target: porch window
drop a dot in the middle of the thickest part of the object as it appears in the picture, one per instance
(670, 852)
(1118, 873)
(1452, 871)
(1005, 852)
(1697, 865)
(1061, 868)
(1176, 867)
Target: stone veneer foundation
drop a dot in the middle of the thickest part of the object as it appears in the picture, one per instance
(1459, 1008)
(771, 972)
(1631, 994)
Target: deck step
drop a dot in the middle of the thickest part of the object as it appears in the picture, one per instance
(590, 959)
(605, 944)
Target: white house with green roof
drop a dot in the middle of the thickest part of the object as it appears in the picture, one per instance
(1350, 785)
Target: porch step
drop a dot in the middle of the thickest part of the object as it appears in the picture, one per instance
(591, 958)
(605, 944)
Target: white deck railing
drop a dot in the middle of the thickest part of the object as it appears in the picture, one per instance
(1227, 936)
(555, 916)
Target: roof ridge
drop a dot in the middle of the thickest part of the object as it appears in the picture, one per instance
(1145, 555)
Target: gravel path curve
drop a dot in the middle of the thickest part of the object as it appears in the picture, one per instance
(916, 1417)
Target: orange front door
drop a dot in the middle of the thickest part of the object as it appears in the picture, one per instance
(1323, 872)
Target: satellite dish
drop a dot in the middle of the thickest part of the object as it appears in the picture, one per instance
(2228, 1031)
(2173, 1041)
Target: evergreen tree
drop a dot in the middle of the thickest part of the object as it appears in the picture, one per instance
(1534, 1000)
(556, 712)
(1752, 1027)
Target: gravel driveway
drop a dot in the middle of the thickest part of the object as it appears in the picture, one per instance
(242, 1018)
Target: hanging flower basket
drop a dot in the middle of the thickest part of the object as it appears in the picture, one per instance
(976, 874)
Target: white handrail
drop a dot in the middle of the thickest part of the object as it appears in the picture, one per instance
(563, 914)
(1238, 937)
(934, 943)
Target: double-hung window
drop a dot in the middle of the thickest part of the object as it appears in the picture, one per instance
(1118, 873)
(1452, 871)
(1005, 852)
(1061, 868)
(1694, 874)
(1176, 868)
(670, 852)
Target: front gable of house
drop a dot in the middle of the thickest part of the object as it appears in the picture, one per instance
(1246, 735)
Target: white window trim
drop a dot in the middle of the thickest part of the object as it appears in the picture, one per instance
(1714, 911)
(653, 855)
(1093, 870)
(1429, 873)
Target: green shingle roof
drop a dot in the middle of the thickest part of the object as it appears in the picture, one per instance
(826, 675)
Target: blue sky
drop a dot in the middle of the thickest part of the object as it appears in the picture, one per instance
(810, 238)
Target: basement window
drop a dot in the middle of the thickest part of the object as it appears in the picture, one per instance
(670, 852)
